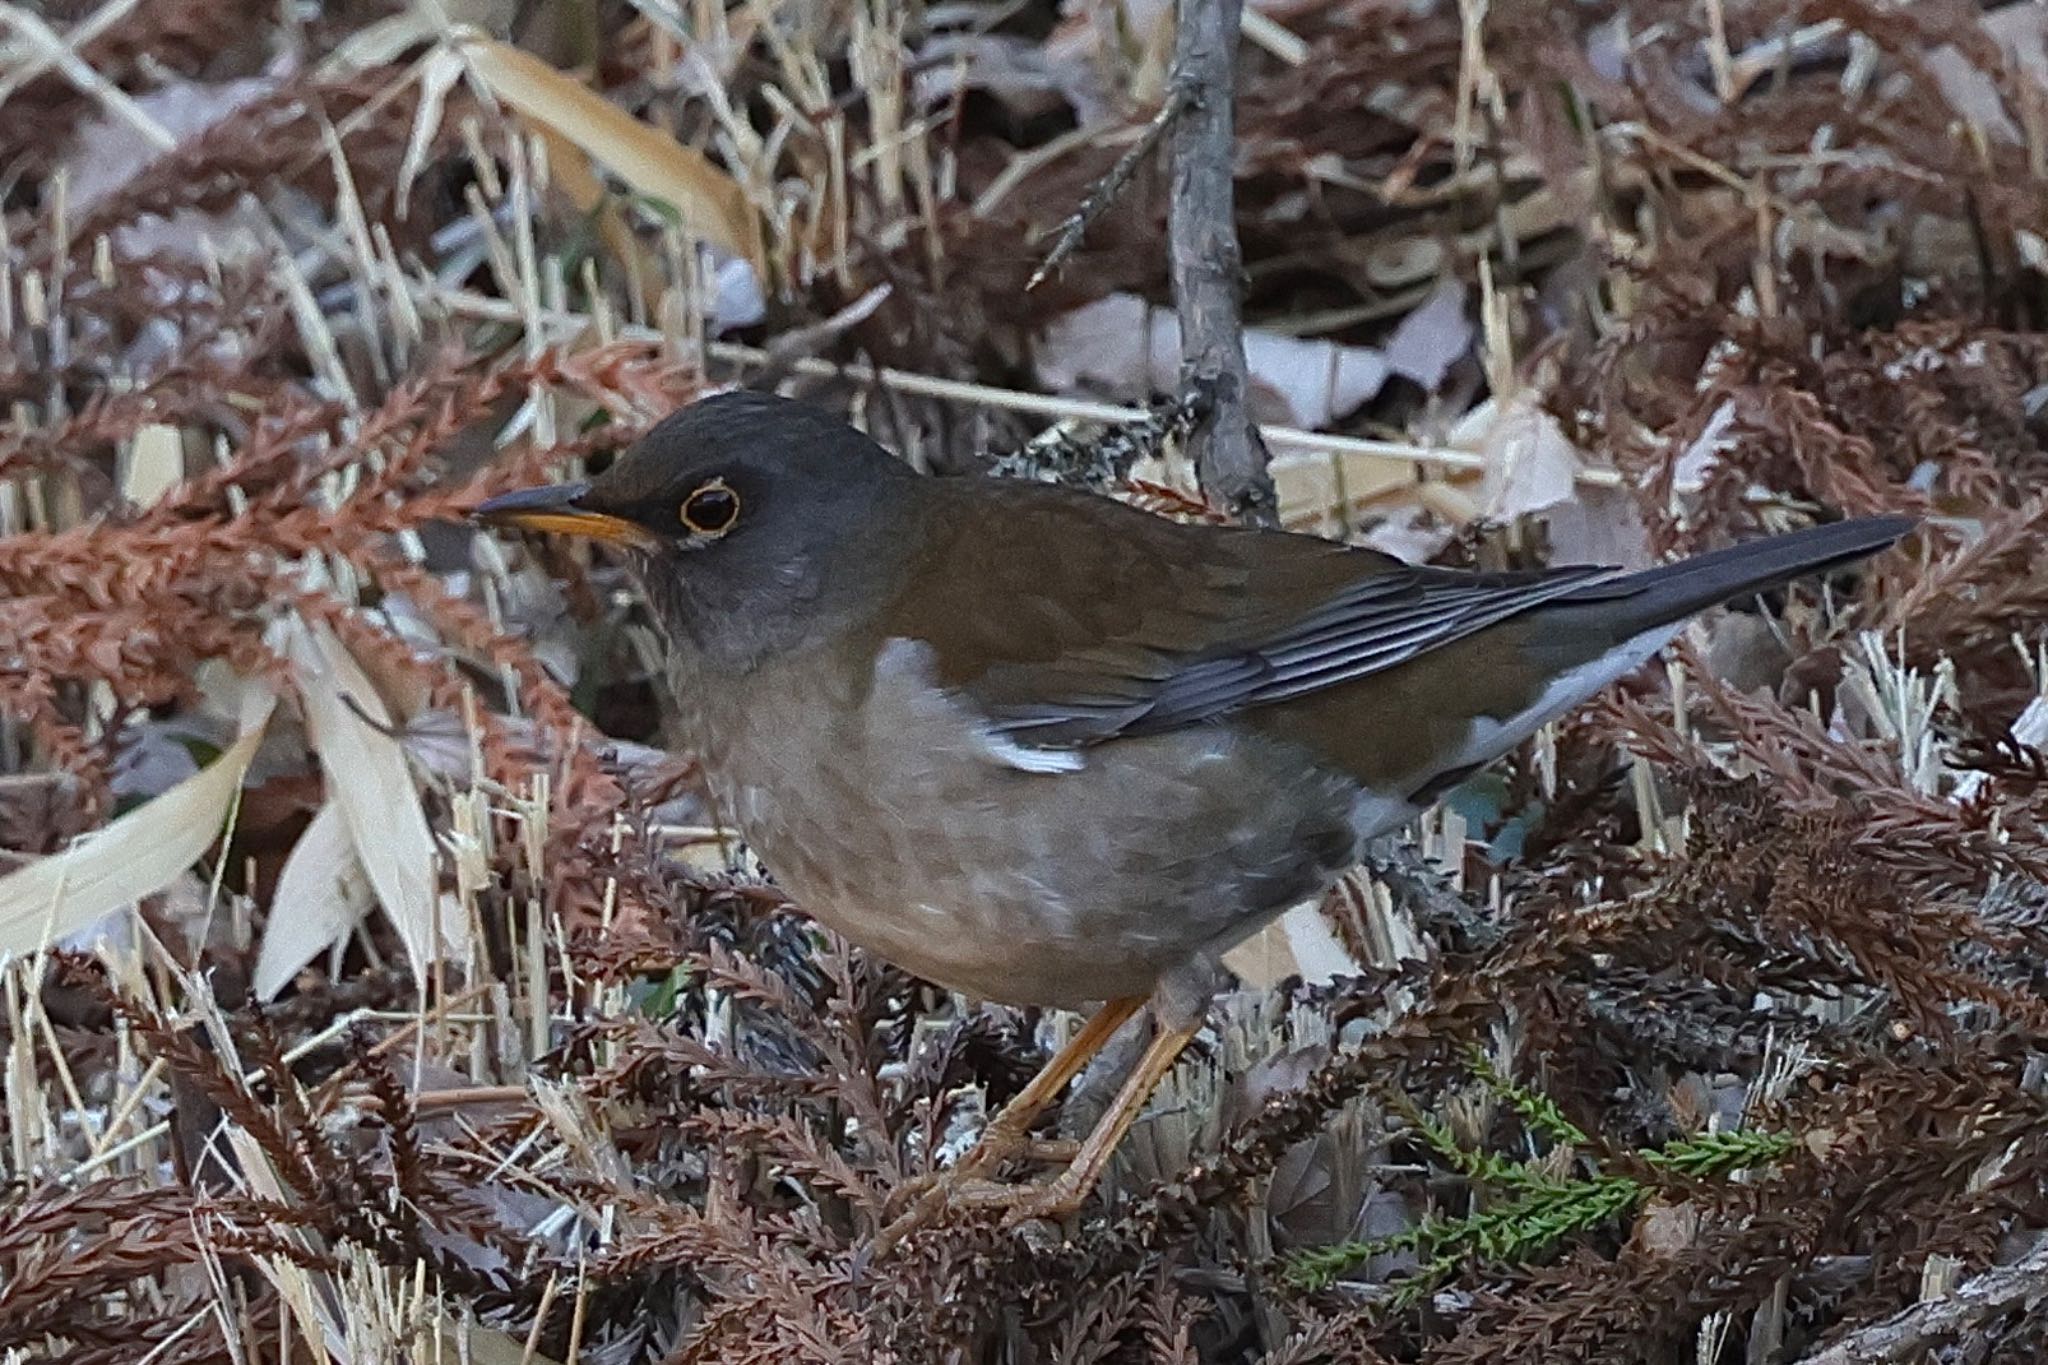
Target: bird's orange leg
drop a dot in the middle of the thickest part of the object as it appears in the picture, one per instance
(1065, 1194)
(1014, 1121)
(1008, 1133)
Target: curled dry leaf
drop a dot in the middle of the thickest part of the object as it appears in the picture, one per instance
(1433, 337)
(1298, 944)
(1123, 345)
(1531, 464)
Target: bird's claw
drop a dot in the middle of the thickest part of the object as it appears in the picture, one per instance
(967, 1184)
(992, 1149)
(1049, 1201)
(1018, 1202)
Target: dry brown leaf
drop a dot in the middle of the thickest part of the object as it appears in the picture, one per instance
(1531, 464)
(1299, 943)
(1123, 345)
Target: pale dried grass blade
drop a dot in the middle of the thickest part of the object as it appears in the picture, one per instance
(438, 75)
(322, 894)
(135, 856)
(365, 770)
(155, 464)
(294, 1284)
(646, 158)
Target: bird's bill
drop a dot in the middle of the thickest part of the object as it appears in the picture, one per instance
(554, 508)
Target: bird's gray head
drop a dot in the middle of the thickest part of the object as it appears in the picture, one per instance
(743, 513)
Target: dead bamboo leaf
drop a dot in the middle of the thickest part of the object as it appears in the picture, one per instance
(1531, 465)
(321, 894)
(1298, 944)
(642, 155)
(1326, 495)
(365, 769)
(135, 856)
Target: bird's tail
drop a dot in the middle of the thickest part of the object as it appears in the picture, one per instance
(1638, 602)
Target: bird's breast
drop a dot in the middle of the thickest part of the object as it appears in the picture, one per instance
(880, 803)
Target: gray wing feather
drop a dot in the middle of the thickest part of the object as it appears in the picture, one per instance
(1377, 633)
(1380, 621)
(1383, 623)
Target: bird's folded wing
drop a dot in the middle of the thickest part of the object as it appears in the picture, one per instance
(1136, 625)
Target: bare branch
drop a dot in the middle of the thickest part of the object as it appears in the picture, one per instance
(1956, 1317)
(1105, 191)
(1230, 459)
(786, 352)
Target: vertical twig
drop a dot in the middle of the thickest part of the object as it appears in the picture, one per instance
(1230, 459)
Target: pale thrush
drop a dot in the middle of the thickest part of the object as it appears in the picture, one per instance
(1045, 748)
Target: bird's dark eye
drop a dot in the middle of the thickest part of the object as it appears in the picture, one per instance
(711, 509)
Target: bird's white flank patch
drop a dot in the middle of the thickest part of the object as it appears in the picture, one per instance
(1027, 759)
(912, 662)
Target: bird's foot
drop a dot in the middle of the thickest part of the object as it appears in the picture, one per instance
(957, 1187)
(1026, 1202)
(995, 1147)
(916, 1202)
(967, 1184)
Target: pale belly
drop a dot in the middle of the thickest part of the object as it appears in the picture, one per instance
(898, 824)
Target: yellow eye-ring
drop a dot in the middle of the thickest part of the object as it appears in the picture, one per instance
(711, 509)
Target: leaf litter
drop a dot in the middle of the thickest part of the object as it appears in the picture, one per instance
(434, 1015)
